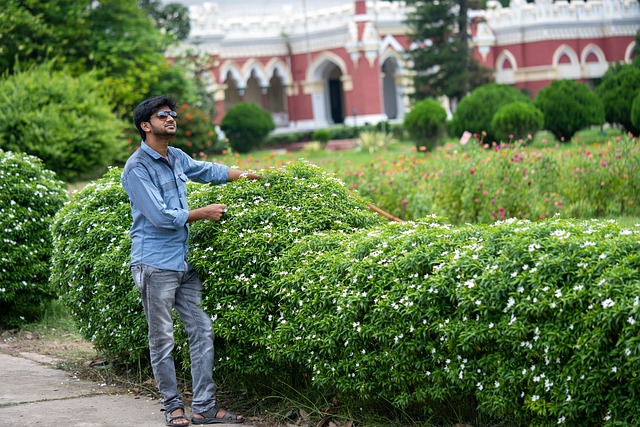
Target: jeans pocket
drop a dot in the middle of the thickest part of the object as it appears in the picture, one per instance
(137, 274)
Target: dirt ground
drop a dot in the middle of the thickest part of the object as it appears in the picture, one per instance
(76, 356)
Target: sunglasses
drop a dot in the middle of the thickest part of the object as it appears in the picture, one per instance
(163, 115)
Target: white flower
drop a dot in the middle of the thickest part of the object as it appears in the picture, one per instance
(603, 256)
(608, 303)
(535, 397)
(631, 320)
(614, 369)
(561, 420)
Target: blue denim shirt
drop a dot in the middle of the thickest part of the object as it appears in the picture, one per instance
(157, 192)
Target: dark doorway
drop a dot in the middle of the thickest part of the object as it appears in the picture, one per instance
(335, 98)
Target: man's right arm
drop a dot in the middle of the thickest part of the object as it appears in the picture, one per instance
(211, 212)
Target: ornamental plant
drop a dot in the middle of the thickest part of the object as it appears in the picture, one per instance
(196, 134)
(425, 123)
(30, 196)
(475, 111)
(247, 126)
(569, 106)
(518, 121)
(65, 121)
(233, 256)
(536, 322)
(618, 88)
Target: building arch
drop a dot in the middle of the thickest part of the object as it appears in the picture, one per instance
(566, 63)
(628, 53)
(594, 61)
(254, 69)
(392, 90)
(276, 65)
(326, 84)
(506, 67)
(229, 69)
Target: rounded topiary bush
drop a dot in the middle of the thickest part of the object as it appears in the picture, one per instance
(568, 107)
(65, 121)
(321, 135)
(517, 121)
(30, 196)
(475, 111)
(235, 258)
(425, 123)
(617, 90)
(247, 126)
(536, 322)
(635, 111)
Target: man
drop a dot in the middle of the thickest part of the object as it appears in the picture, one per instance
(155, 179)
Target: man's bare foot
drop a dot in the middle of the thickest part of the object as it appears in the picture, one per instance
(177, 418)
(217, 414)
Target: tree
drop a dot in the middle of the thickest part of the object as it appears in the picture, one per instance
(116, 38)
(569, 106)
(65, 121)
(247, 126)
(441, 57)
(173, 18)
(617, 90)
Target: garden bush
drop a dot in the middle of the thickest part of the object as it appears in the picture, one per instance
(536, 322)
(635, 111)
(247, 126)
(518, 121)
(425, 123)
(321, 135)
(475, 111)
(234, 256)
(30, 196)
(539, 323)
(65, 121)
(618, 88)
(569, 106)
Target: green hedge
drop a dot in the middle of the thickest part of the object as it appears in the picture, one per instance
(536, 322)
(30, 196)
(265, 217)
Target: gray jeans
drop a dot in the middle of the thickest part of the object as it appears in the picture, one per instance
(161, 291)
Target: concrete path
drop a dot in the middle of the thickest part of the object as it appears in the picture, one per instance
(33, 393)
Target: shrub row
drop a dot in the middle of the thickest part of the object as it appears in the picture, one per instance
(537, 322)
(30, 196)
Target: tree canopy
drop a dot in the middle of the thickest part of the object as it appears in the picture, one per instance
(441, 55)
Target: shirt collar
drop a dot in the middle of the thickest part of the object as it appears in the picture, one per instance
(150, 151)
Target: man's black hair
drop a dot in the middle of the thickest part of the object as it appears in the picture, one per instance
(144, 110)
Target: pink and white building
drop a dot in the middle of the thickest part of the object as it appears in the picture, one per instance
(316, 63)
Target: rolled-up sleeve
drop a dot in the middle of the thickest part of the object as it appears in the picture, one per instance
(204, 172)
(145, 197)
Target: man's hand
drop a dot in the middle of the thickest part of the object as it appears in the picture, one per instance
(212, 212)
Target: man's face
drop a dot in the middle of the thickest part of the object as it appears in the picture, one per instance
(163, 122)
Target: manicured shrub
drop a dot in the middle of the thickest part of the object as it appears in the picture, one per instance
(617, 90)
(475, 111)
(635, 111)
(517, 121)
(569, 106)
(425, 123)
(321, 135)
(247, 126)
(536, 322)
(30, 196)
(265, 217)
(65, 121)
